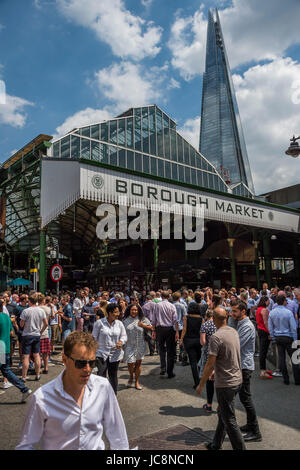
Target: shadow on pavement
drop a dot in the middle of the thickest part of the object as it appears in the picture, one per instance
(184, 411)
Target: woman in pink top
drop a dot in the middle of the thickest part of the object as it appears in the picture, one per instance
(262, 315)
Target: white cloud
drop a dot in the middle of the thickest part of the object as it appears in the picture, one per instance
(270, 118)
(127, 84)
(173, 83)
(128, 35)
(187, 43)
(39, 4)
(146, 3)
(12, 111)
(84, 117)
(259, 30)
(124, 85)
(191, 131)
(253, 31)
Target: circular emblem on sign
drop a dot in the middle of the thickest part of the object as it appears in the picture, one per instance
(97, 181)
(56, 273)
(271, 215)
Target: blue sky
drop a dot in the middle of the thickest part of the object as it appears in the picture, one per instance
(66, 63)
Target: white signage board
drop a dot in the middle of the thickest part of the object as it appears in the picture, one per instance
(64, 182)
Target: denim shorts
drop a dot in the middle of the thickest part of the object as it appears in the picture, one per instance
(30, 343)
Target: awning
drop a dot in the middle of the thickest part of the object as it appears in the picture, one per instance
(64, 182)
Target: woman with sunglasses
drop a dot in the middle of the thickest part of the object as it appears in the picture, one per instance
(135, 324)
(111, 336)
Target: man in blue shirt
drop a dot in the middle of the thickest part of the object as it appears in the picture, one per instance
(282, 328)
(290, 304)
(246, 332)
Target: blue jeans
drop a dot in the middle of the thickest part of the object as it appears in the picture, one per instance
(65, 333)
(11, 377)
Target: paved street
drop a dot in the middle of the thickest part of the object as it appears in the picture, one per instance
(165, 404)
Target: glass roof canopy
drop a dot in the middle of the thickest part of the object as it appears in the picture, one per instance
(20, 187)
(143, 140)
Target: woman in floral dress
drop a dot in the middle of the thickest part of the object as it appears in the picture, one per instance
(207, 330)
(135, 323)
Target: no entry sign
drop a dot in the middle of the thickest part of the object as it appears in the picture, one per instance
(56, 273)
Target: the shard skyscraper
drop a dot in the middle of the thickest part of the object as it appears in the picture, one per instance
(221, 135)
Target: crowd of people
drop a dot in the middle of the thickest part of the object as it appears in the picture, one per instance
(217, 332)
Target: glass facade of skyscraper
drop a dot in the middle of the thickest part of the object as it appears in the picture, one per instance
(143, 140)
(221, 135)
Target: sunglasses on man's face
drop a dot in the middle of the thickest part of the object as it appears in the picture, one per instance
(80, 364)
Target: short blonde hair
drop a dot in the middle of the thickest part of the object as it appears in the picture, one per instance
(79, 338)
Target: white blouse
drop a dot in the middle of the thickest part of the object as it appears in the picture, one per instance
(107, 337)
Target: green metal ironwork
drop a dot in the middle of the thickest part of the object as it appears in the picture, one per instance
(268, 258)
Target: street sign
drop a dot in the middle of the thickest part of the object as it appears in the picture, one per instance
(56, 273)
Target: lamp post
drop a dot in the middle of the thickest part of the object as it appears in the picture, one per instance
(294, 148)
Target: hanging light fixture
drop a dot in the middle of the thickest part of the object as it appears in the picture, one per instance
(294, 149)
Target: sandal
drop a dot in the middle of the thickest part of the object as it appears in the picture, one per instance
(207, 408)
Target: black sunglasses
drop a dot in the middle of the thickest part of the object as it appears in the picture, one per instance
(80, 364)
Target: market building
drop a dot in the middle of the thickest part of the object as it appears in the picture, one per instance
(51, 191)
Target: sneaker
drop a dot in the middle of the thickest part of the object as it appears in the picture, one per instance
(207, 408)
(25, 395)
(245, 429)
(162, 372)
(37, 377)
(210, 446)
(277, 374)
(7, 385)
(251, 437)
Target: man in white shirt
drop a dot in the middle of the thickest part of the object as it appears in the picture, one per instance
(72, 411)
(78, 304)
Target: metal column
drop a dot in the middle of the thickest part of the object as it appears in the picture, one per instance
(268, 259)
(42, 272)
(232, 260)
